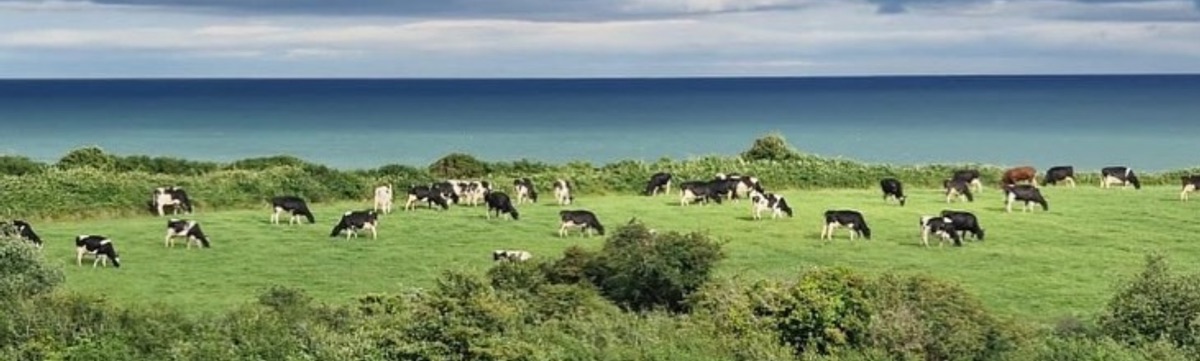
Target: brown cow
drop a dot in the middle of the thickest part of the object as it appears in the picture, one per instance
(1019, 174)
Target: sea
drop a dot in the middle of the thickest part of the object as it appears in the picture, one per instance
(1148, 122)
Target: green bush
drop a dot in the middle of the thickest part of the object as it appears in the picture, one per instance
(458, 165)
(25, 273)
(641, 270)
(772, 147)
(1155, 305)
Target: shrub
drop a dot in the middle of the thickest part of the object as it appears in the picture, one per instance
(458, 165)
(91, 156)
(1155, 305)
(641, 270)
(26, 274)
(772, 147)
(923, 318)
(19, 165)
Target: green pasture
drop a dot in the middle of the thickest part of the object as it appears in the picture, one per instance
(1037, 265)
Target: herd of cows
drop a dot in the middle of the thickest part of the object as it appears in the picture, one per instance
(1020, 184)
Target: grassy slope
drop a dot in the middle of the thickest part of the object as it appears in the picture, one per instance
(1037, 265)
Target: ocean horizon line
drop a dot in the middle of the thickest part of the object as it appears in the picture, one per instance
(620, 77)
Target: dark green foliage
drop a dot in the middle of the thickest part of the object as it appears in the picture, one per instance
(24, 272)
(1155, 305)
(19, 165)
(924, 318)
(772, 147)
(92, 156)
(824, 311)
(458, 165)
(642, 270)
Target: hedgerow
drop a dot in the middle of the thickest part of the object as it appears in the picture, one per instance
(89, 182)
(537, 310)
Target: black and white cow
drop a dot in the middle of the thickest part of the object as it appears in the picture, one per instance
(450, 190)
(25, 232)
(941, 226)
(525, 190)
(1119, 175)
(188, 229)
(958, 189)
(660, 181)
(1190, 183)
(353, 222)
(174, 197)
(964, 222)
(291, 204)
(1062, 173)
(99, 247)
(585, 221)
(562, 192)
(511, 255)
(893, 189)
(1025, 193)
(770, 201)
(499, 203)
(429, 195)
(700, 190)
(845, 218)
(473, 191)
(741, 185)
(971, 176)
(384, 198)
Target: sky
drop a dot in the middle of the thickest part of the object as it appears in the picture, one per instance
(593, 38)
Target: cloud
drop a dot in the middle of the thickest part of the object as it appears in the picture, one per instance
(566, 10)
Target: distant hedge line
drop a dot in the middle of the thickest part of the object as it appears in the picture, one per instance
(89, 182)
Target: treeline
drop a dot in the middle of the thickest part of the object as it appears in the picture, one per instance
(88, 181)
(642, 296)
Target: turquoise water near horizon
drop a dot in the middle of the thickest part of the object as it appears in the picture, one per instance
(1147, 122)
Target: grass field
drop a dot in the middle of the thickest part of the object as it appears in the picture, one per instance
(1038, 265)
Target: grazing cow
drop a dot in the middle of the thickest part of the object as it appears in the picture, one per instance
(99, 247)
(740, 185)
(957, 189)
(892, 188)
(174, 197)
(1025, 193)
(845, 218)
(1119, 175)
(499, 202)
(1062, 173)
(584, 220)
(701, 190)
(354, 221)
(1019, 174)
(971, 176)
(383, 199)
(25, 232)
(964, 222)
(1190, 183)
(941, 226)
(776, 203)
(562, 192)
(660, 181)
(451, 189)
(292, 204)
(430, 195)
(525, 190)
(511, 255)
(473, 191)
(185, 228)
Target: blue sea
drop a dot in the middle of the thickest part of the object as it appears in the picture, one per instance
(1149, 122)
